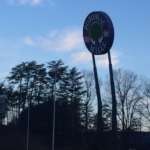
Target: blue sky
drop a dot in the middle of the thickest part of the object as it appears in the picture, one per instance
(44, 30)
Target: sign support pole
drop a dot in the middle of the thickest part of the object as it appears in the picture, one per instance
(99, 114)
(114, 103)
(98, 34)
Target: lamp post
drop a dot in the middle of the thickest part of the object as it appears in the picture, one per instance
(54, 109)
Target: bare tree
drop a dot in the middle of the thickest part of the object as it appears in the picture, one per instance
(145, 104)
(89, 99)
(128, 91)
(129, 96)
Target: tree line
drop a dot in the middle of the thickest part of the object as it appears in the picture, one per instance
(31, 84)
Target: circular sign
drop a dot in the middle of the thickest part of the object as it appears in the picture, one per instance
(98, 33)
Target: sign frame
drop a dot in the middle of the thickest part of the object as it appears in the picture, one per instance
(98, 32)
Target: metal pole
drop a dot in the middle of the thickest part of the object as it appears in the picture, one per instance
(54, 111)
(114, 105)
(99, 114)
(28, 126)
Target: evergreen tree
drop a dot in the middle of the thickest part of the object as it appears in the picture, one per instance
(28, 80)
(87, 110)
(75, 99)
(56, 71)
(3, 102)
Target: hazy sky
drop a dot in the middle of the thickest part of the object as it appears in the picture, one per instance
(44, 30)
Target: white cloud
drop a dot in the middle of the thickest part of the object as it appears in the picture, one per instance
(27, 2)
(28, 40)
(85, 57)
(69, 40)
(82, 57)
(57, 40)
(103, 60)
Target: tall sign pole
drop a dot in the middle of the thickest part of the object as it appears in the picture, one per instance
(98, 34)
(114, 103)
(91, 33)
(99, 101)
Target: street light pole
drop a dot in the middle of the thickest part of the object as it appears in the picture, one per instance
(54, 111)
(28, 126)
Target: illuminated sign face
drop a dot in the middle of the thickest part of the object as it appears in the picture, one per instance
(98, 33)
